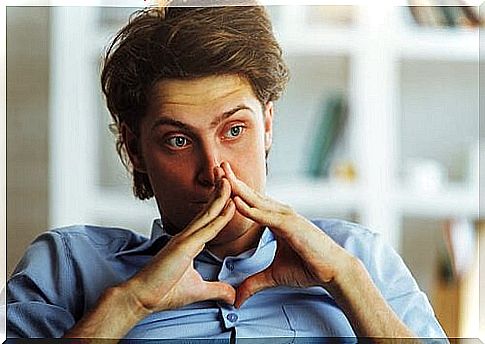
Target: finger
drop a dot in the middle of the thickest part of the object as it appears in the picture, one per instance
(213, 209)
(210, 231)
(252, 285)
(259, 208)
(253, 213)
(275, 219)
(282, 225)
(250, 196)
(218, 291)
(218, 173)
(239, 187)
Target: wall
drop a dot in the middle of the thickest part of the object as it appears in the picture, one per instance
(27, 127)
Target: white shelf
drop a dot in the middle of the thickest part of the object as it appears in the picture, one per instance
(310, 196)
(320, 41)
(451, 201)
(313, 196)
(439, 44)
(121, 209)
(411, 44)
(320, 195)
(122, 206)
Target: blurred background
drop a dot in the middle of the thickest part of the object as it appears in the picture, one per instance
(380, 125)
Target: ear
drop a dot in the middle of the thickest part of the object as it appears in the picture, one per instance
(268, 125)
(133, 148)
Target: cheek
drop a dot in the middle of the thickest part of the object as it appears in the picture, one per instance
(250, 165)
(169, 173)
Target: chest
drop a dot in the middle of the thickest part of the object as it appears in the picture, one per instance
(283, 313)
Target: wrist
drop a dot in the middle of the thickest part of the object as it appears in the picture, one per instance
(114, 315)
(126, 294)
(362, 302)
(350, 274)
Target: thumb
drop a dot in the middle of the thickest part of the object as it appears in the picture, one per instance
(252, 285)
(218, 291)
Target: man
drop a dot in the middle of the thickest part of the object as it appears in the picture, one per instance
(191, 91)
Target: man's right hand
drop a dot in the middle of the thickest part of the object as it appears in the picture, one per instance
(170, 281)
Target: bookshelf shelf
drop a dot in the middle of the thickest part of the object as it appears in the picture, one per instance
(453, 200)
(457, 200)
(320, 41)
(117, 208)
(439, 44)
(314, 195)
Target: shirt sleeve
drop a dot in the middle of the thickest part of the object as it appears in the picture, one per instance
(400, 289)
(40, 292)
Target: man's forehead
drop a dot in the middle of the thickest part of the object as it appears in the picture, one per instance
(211, 90)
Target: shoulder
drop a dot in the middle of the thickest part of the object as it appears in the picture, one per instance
(94, 235)
(362, 242)
(383, 263)
(62, 273)
(388, 272)
(69, 258)
(84, 242)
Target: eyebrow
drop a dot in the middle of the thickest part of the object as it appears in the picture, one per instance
(187, 127)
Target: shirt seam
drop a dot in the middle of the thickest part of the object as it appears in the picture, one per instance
(90, 238)
(69, 260)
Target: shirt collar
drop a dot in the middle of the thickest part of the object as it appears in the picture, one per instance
(267, 237)
(235, 269)
(158, 238)
(158, 230)
(254, 259)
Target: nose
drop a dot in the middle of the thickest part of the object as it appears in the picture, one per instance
(209, 158)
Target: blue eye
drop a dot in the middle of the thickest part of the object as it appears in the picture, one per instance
(178, 141)
(235, 131)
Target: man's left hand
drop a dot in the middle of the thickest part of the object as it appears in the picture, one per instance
(305, 255)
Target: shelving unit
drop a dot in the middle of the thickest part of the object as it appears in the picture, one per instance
(361, 60)
(376, 60)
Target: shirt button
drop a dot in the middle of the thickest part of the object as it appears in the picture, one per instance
(232, 317)
(230, 265)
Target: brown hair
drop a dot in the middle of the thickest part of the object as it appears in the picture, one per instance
(186, 42)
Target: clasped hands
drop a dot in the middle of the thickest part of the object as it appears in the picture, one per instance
(305, 255)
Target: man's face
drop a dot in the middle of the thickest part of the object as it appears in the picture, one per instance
(190, 127)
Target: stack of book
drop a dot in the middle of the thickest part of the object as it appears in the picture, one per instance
(457, 15)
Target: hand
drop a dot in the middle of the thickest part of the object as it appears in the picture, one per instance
(305, 255)
(170, 281)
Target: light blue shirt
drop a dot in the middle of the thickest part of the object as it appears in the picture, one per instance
(64, 272)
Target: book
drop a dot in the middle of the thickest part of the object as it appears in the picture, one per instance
(457, 13)
(450, 14)
(330, 128)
